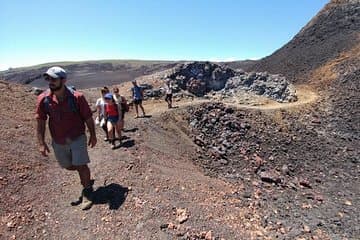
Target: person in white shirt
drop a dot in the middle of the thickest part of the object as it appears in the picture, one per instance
(100, 107)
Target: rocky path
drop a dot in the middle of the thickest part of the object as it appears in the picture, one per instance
(305, 96)
(147, 189)
(150, 188)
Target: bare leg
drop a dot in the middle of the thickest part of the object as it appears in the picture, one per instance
(142, 109)
(84, 174)
(167, 101)
(104, 127)
(170, 102)
(118, 128)
(122, 124)
(137, 110)
(111, 133)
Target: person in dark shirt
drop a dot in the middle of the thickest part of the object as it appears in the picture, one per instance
(138, 96)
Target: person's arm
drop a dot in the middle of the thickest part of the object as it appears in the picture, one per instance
(105, 112)
(43, 148)
(91, 126)
(85, 113)
(132, 93)
(98, 111)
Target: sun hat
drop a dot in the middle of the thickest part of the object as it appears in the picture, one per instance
(55, 72)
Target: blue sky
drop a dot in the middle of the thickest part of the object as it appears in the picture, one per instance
(38, 31)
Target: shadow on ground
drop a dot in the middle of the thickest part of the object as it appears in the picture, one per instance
(113, 194)
(131, 129)
(146, 116)
(128, 143)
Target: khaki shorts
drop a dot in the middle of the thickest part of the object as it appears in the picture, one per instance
(72, 154)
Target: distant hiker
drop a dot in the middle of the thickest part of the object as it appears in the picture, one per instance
(168, 93)
(138, 96)
(100, 107)
(123, 102)
(68, 112)
(113, 116)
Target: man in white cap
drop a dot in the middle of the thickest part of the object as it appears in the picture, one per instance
(68, 112)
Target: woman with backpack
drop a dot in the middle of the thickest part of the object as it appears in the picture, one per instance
(114, 118)
(121, 100)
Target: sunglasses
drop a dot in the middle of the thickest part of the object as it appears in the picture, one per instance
(50, 79)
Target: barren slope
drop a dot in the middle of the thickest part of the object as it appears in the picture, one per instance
(333, 31)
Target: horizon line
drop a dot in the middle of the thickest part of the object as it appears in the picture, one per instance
(68, 62)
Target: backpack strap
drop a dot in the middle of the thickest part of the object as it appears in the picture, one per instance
(46, 102)
(70, 99)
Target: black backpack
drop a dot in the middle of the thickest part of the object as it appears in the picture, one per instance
(124, 104)
(70, 99)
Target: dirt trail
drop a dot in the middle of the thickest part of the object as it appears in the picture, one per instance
(305, 96)
(148, 183)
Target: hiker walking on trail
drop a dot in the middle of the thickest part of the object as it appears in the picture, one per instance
(168, 93)
(138, 96)
(124, 105)
(113, 116)
(100, 107)
(68, 112)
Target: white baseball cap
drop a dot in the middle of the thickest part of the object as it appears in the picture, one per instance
(55, 72)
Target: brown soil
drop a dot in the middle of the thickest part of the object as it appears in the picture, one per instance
(143, 188)
(150, 175)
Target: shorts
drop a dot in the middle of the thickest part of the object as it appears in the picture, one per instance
(137, 101)
(113, 119)
(168, 97)
(72, 154)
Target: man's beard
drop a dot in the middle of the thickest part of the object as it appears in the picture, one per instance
(56, 88)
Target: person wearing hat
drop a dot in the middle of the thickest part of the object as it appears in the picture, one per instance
(68, 112)
(114, 118)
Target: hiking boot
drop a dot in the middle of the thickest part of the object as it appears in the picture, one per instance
(113, 146)
(87, 194)
(77, 202)
(80, 199)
